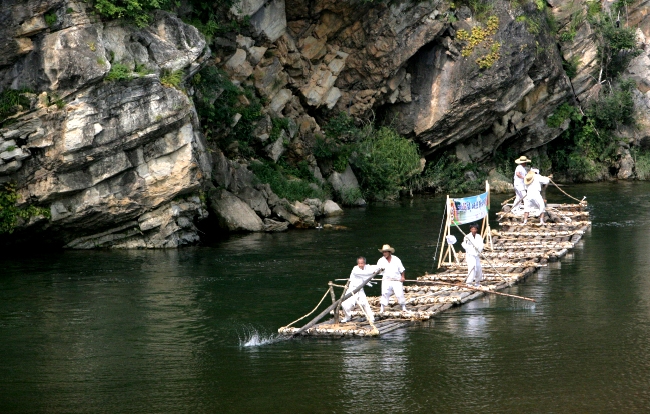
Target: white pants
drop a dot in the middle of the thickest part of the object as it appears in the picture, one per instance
(390, 287)
(474, 269)
(520, 193)
(534, 201)
(360, 299)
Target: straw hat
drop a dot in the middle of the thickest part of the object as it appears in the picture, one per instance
(387, 248)
(522, 160)
(530, 176)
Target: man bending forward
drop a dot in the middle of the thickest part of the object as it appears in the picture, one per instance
(360, 273)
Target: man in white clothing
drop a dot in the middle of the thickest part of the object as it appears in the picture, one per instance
(534, 198)
(360, 273)
(473, 245)
(393, 276)
(520, 174)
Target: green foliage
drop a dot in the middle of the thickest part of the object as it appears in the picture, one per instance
(571, 66)
(278, 125)
(448, 174)
(615, 108)
(341, 136)
(278, 177)
(385, 162)
(10, 213)
(593, 8)
(142, 70)
(217, 102)
(50, 19)
(532, 25)
(589, 144)
(561, 114)
(118, 72)
(350, 195)
(138, 11)
(481, 9)
(12, 101)
(642, 164)
(171, 79)
(54, 99)
(617, 46)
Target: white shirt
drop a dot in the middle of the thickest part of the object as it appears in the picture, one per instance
(358, 275)
(519, 182)
(470, 241)
(392, 270)
(536, 186)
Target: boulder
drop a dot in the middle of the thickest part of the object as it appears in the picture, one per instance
(238, 67)
(304, 213)
(282, 212)
(315, 204)
(273, 225)
(276, 149)
(330, 208)
(256, 200)
(233, 214)
(270, 20)
(345, 182)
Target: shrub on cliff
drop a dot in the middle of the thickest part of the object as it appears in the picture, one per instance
(292, 183)
(384, 162)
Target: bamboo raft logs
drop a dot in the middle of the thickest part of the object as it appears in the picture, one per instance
(518, 250)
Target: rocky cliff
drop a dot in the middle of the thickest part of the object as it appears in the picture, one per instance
(116, 162)
(106, 135)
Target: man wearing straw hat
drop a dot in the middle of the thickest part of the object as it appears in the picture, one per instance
(534, 200)
(393, 277)
(520, 174)
(359, 274)
(473, 245)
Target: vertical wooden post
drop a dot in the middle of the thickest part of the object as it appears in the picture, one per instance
(333, 295)
(337, 314)
(487, 237)
(445, 250)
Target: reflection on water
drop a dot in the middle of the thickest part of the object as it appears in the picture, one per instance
(194, 329)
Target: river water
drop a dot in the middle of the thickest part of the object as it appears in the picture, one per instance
(192, 330)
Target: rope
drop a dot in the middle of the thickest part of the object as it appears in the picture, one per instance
(565, 193)
(303, 317)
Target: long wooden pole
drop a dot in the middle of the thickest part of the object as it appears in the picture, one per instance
(333, 305)
(465, 287)
(472, 288)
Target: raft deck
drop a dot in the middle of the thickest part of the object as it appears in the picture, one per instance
(517, 252)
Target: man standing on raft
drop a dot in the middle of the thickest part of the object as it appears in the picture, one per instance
(520, 174)
(393, 277)
(534, 198)
(473, 244)
(360, 273)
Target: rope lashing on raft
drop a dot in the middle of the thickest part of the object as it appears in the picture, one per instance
(567, 194)
(314, 310)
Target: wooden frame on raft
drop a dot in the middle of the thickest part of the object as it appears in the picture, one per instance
(448, 251)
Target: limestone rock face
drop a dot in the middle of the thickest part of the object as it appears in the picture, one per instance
(234, 214)
(117, 163)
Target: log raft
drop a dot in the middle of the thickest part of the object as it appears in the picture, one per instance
(518, 250)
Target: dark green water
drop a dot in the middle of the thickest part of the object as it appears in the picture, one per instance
(164, 331)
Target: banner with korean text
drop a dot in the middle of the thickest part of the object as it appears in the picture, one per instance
(469, 209)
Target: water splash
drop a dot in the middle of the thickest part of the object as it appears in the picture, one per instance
(251, 337)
